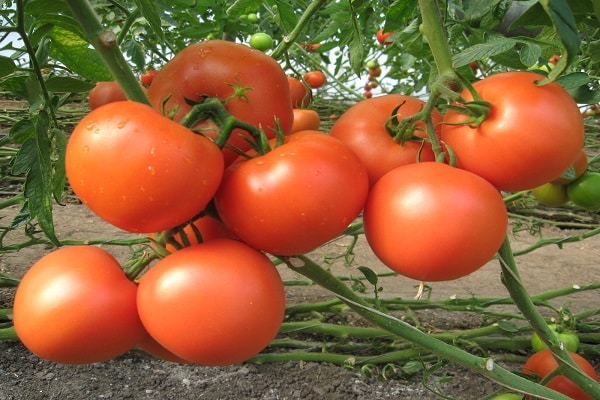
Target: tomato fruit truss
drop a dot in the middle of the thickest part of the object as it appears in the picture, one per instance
(75, 305)
(252, 85)
(294, 198)
(215, 303)
(139, 170)
(531, 135)
(542, 363)
(433, 222)
(363, 128)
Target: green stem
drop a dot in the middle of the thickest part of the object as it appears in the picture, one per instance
(288, 40)
(512, 281)
(105, 43)
(8, 281)
(8, 334)
(484, 366)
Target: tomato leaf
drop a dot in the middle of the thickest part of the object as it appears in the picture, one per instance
(399, 12)
(59, 181)
(480, 51)
(75, 53)
(67, 84)
(369, 274)
(149, 10)
(7, 66)
(285, 17)
(530, 53)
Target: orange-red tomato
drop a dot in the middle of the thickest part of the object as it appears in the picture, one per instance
(155, 349)
(300, 94)
(305, 120)
(579, 166)
(76, 306)
(532, 134)
(104, 93)
(314, 79)
(139, 170)
(215, 303)
(382, 37)
(433, 222)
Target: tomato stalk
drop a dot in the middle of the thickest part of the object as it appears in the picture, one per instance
(106, 45)
(512, 281)
(485, 366)
(8, 334)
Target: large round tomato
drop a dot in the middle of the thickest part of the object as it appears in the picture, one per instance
(216, 303)
(295, 197)
(104, 93)
(139, 170)
(305, 120)
(77, 306)
(363, 128)
(433, 222)
(531, 135)
(543, 363)
(252, 84)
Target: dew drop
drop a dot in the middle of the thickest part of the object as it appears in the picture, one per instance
(151, 170)
(86, 149)
(121, 124)
(153, 151)
(91, 125)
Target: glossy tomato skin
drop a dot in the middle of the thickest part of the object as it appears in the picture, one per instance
(532, 134)
(578, 168)
(104, 93)
(433, 222)
(314, 79)
(296, 197)
(76, 306)
(305, 120)
(363, 128)
(542, 363)
(213, 68)
(216, 303)
(139, 170)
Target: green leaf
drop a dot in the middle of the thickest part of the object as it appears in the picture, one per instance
(398, 14)
(149, 10)
(480, 51)
(69, 85)
(286, 17)
(60, 175)
(75, 53)
(369, 274)
(530, 54)
(241, 7)
(40, 7)
(574, 80)
(26, 87)
(508, 326)
(21, 131)
(7, 66)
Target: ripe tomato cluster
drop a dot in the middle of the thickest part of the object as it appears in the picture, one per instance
(218, 193)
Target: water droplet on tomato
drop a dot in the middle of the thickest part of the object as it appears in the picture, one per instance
(121, 124)
(151, 170)
(153, 151)
(90, 125)
(86, 149)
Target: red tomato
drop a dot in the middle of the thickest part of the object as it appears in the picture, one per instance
(76, 306)
(532, 134)
(104, 93)
(215, 68)
(300, 94)
(305, 120)
(363, 128)
(433, 222)
(149, 345)
(148, 77)
(578, 168)
(382, 37)
(314, 79)
(139, 170)
(216, 303)
(543, 363)
(296, 197)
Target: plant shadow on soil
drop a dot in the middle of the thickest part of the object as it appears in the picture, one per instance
(138, 376)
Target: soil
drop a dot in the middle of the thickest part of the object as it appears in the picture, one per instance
(136, 375)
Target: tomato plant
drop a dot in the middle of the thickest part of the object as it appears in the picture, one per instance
(314, 79)
(543, 363)
(300, 94)
(75, 305)
(367, 129)
(139, 170)
(532, 133)
(305, 120)
(551, 194)
(296, 197)
(250, 83)
(216, 303)
(104, 93)
(569, 339)
(585, 191)
(425, 220)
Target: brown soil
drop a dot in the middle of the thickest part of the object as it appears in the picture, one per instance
(138, 376)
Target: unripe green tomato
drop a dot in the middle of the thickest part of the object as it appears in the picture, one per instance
(261, 41)
(551, 194)
(569, 339)
(585, 191)
(508, 396)
(252, 18)
(371, 64)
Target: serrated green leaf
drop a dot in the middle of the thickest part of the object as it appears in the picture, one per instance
(369, 274)
(7, 66)
(75, 53)
(21, 131)
(530, 54)
(150, 11)
(24, 86)
(574, 80)
(66, 84)
(286, 17)
(37, 7)
(482, 51)
(508, 326)
(398, 14)
(60, 175)
(240, 7)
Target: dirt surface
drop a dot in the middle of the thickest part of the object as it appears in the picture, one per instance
(138, 376)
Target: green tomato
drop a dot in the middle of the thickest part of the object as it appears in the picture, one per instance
(585, 191)
(508, 396)
(252, 18)
(261, 41)
(551, 194)
(569, 338)
(371, 64)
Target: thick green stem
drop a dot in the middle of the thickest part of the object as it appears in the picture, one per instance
(105, 43)
(512, 281)
(288, 40)
(485, 366)
(8, 334)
